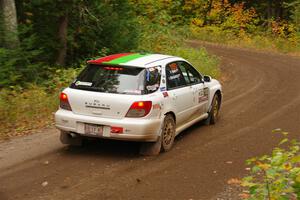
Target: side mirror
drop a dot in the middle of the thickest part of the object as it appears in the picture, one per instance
(207, 78)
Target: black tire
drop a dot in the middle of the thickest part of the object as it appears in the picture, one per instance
(213, 115)
(168, 133)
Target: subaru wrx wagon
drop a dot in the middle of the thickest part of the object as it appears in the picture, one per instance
(149, 98)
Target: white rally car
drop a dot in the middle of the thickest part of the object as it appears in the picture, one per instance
(138, 97)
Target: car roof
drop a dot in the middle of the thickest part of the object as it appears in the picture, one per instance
(133, 59)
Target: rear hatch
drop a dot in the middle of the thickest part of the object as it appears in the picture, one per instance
(99, 104)
(109, 91)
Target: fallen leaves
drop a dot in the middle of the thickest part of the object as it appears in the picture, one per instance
(244, 195)
(234, 181)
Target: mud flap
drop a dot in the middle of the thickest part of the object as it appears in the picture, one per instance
(207, 121)
(151, 148)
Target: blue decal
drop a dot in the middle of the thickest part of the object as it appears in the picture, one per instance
(163, 89)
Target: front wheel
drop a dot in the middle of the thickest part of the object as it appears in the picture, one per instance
(213, 115)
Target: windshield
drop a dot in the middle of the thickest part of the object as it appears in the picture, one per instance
(118, 79)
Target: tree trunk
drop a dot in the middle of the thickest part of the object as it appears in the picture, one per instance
(62, 35)
(207, 11)
(10, 24)
(270, 12)
(279, 9)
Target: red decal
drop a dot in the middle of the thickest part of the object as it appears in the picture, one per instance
(108, 58)
(156, 106)
(165, 94)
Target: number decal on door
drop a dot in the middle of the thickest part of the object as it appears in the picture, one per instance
(203, 94)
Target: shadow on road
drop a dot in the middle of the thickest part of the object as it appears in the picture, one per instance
(104, 148)
(118, 149)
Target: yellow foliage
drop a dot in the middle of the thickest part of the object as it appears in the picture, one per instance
(197, 21)
(287, 166)
(263, 166)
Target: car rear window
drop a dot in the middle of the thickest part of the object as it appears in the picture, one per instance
(118, 79)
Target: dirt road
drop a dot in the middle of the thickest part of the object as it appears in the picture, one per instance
(261, 93)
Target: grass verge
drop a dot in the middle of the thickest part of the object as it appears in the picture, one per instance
(253, 41)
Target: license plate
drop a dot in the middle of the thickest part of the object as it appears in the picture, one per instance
(93, 129)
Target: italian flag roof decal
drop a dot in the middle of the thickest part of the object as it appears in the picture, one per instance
(117, 59)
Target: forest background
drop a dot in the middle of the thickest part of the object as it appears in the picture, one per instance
(45, 43)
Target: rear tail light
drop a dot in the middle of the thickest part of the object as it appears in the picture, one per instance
(114, 129)
(64, 102)
(139, 109)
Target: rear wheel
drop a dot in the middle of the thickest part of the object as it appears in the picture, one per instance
(168, 133)
(164, 142)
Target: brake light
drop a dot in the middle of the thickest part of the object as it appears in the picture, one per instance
(113, 68)
(64, 102)
(139, 109)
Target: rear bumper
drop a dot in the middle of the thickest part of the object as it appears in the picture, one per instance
(133, 129)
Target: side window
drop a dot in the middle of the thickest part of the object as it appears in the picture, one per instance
(184, 72)
(192, 74)
(174, 76)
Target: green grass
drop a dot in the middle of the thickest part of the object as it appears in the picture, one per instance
(261, 41)
(206, 64)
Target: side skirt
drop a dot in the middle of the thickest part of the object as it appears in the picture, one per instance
(190, 123)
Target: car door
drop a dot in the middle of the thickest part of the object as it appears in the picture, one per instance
(200, 91)
(181, 95)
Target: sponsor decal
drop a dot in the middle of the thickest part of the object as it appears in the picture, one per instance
(152, 87)
(163, 89)
(203, 94)
(133, 91)
(165, 94)
(156, 106)
(83, 83)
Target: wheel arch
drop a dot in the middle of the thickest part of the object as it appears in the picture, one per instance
(172, 114)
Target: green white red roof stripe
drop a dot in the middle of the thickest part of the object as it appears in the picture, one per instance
(117, 59)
